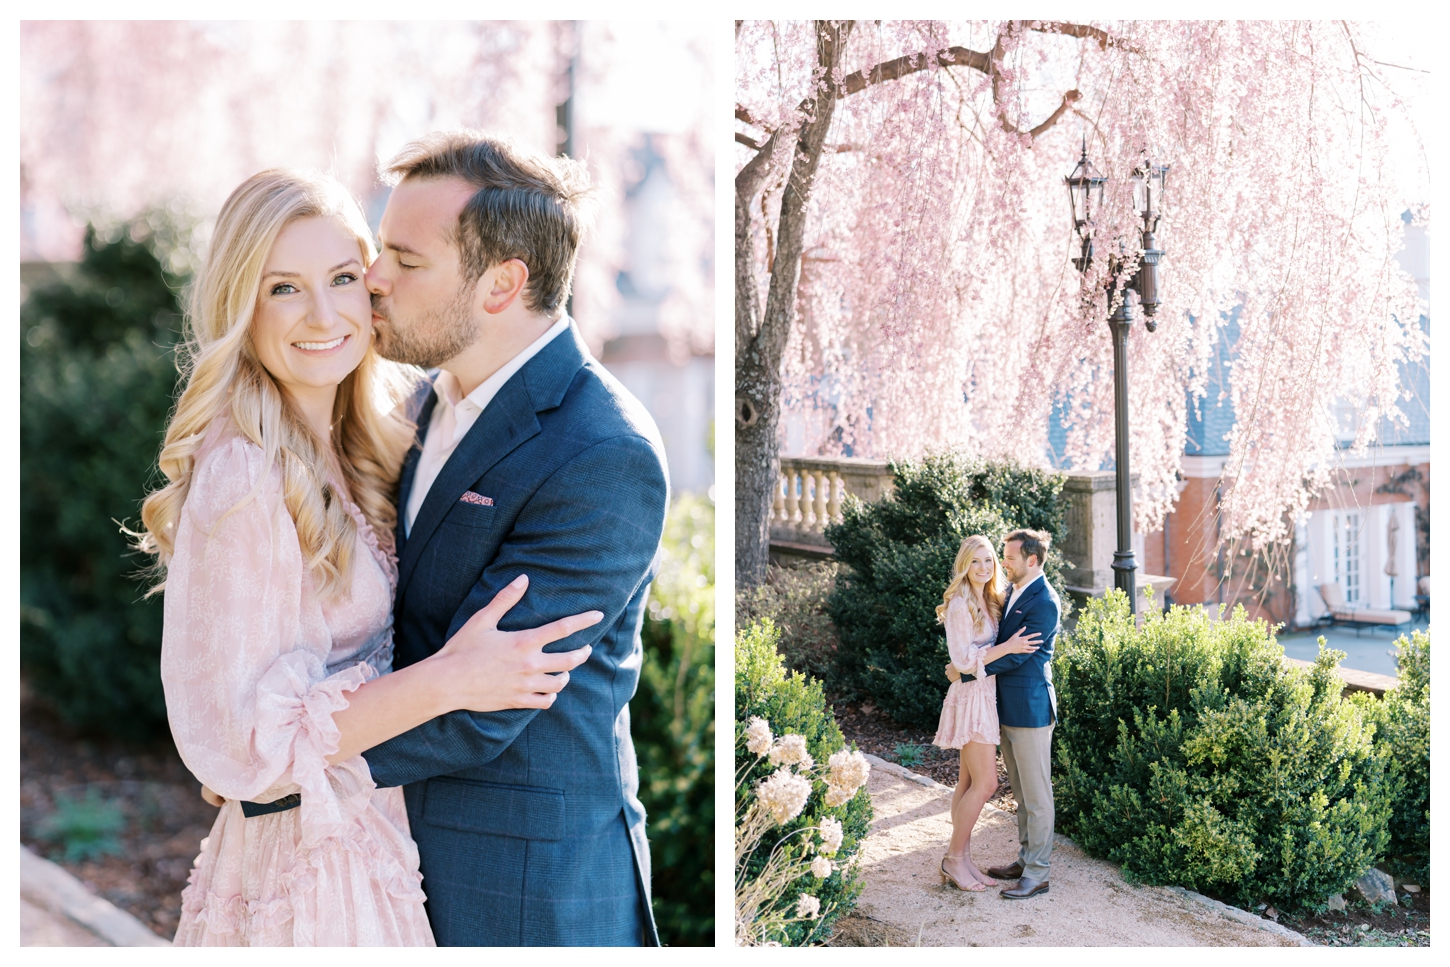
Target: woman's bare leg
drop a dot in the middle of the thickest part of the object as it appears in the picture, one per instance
(964, 782)
(979, 766)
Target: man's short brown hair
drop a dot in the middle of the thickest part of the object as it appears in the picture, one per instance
(526, 206)
(1034, 543)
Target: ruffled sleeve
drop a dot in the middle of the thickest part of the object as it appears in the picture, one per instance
(242, 658)
(966, 655)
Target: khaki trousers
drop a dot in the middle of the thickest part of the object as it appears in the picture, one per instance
(1027, 753)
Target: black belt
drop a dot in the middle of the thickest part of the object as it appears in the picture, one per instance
(250, 809)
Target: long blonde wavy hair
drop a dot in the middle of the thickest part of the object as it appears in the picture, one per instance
(991, 594)
(225, 380)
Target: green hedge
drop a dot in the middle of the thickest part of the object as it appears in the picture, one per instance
(673, 726)
(795, 704)
(898, 554)
(97, 373)
(1404, 741)
(794, 600)
(1188, 752)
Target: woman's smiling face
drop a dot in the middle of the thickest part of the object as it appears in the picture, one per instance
(313, 321)
(982, 566)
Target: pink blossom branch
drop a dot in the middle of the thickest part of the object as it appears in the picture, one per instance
(986, 63)
(914, 63)
(743, 114)
(1082, 32)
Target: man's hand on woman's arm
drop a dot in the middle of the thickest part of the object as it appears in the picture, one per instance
(576, 549)
(480, 668)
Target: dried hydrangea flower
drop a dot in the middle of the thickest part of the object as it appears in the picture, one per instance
(832, 834)
(821, 867)
(757, 735)
(783, 794)
(789, 749)
(808, 907)
(849, 771)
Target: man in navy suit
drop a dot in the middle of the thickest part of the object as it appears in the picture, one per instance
(1027, 708)
(530, 460)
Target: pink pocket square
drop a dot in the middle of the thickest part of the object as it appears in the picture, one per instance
(469, 497)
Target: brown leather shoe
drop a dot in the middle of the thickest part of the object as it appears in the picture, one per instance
(1013, 872)
(1025, 889)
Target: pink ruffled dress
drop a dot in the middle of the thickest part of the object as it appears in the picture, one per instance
(969, 713)
(254, 664)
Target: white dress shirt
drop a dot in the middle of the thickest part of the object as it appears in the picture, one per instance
(1017, 593)
(455, 414)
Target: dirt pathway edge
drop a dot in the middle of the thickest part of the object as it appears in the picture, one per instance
(53, 889)
(1206, 905)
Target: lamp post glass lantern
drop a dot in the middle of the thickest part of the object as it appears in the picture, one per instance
(1086, 187)
(1085, 190)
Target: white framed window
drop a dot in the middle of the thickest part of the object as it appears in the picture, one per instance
(1347, 574)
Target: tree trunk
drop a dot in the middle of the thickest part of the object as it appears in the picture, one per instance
(760, 340)
(759, 350)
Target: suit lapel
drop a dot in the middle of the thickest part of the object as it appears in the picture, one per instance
(1006, 617)
(508, 421)
(1009, 627)
(1030, 592)
(420, 411)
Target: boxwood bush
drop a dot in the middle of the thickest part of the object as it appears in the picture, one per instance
(794, 704)
(898, 555)
(1404, 740)
(97, 373)
(1189, 753)
(673, 725)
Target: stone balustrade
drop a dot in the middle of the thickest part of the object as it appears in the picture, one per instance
(811, 491)
(809, 496)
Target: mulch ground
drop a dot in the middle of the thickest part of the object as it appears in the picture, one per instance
(1364, 926)
(165, 817)
(872, 731)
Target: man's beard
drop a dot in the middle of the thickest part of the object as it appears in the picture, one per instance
(432, 340)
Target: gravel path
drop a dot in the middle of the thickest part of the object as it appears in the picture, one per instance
(58, 910)
(1089, 904)
(40, 927)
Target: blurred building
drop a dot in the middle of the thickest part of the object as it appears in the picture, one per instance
(676, 383)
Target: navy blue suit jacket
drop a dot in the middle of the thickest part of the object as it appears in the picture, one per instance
(528, 824)
(1025, 696)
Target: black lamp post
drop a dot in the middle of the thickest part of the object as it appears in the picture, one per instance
(1085, 186)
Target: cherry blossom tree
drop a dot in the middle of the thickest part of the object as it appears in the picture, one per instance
(903, 246)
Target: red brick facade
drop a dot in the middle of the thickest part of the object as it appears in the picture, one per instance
(1207, 571)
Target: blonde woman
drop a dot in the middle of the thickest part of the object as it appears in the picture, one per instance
(275, 536)
(971, 610)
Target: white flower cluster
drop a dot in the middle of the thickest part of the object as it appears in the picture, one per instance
(783, 794)
(849, 771)
(757, 735)
(832, 833)
(791, 750)
(782, 797)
